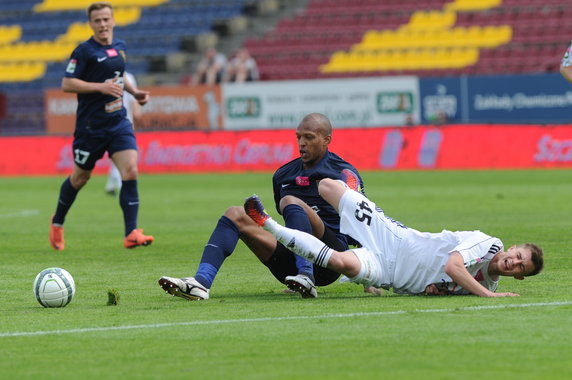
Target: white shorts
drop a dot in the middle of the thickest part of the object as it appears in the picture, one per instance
(379, 236)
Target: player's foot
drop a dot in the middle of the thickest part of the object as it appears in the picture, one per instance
(351, 179)
(187, 288)
(254, 208)
(301, 284)
(56, 236)
(136, 238)
(111, 192)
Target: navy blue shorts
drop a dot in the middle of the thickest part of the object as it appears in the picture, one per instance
(89, 145)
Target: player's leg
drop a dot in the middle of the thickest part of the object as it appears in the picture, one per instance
(68, 192)
(332, 190)
(231, 227)
(299, 216)
(123, 152)
(126, 162)
(87, 150)
(302, 243)
(113, 184)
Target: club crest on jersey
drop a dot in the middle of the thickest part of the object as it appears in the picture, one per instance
(111, 52)
(71, 66)
(302, 181)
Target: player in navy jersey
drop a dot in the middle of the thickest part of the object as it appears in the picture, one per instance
(95, 73)
(297, 200)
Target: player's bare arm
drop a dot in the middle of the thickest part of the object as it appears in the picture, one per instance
(78, 86)
(455, 268)
(566, 72)
(141, 96)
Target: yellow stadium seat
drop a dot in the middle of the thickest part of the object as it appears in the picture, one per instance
(9, 34)
(126, 16)
(431, 20)
(62, 5)
(21, 72)
(472, 5)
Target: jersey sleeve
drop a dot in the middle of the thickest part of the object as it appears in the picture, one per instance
(476, 247)
(76, 64)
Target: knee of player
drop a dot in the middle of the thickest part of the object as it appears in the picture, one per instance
(345, 263)
(237, 215)
(289, 200)
(79, 181)
(130, 173)
(326, 185)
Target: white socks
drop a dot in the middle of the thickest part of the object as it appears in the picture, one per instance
(301, 243)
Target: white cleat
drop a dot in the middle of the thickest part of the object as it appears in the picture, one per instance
(187, 288)
(301, 284)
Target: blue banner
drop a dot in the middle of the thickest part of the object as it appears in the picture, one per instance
(441, 100)
(532, 98)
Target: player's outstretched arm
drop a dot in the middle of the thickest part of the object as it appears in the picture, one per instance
(78, 86)
(455, 268)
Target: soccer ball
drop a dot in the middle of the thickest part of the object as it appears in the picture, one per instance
(54, 287)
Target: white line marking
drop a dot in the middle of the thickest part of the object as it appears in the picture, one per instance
(299, 317)
(20, 213)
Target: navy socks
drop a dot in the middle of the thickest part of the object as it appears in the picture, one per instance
(295, 217)
(221, 244)
(129, 202)
(65, 201)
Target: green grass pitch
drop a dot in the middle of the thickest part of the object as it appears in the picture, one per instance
(250, 329)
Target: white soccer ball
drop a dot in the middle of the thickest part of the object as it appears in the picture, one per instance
(54, 287)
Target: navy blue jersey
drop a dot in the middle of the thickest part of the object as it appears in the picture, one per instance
(293, 179)
(93, 62)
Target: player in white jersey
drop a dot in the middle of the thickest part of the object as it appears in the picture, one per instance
(566, 64)
(402, 258)
(133, 109)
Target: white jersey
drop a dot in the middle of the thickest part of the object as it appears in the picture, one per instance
(128, 99)
(408, 260)
(567, 59)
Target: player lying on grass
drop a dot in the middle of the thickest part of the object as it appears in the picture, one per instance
(402, 258)
(296, 196)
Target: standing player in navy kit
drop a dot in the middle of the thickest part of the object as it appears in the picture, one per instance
(297, 199)
(95, 72)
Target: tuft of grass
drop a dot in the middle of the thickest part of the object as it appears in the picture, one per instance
(112, 297)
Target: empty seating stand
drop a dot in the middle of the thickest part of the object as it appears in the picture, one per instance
(332, 38)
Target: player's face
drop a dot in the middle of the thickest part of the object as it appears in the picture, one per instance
(516, 262)
(312, 144)
(101, 22)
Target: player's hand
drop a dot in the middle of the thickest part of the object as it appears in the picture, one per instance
(111, 88)
(434, 290)
(507, 294)
(372, 290)
(141, 96)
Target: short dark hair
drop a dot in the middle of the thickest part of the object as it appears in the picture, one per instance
(323, 123)
(97, 6)
(537, 256)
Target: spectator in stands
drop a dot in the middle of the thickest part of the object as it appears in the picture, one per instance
(210, 69)
(242, 68)
(566, 64)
